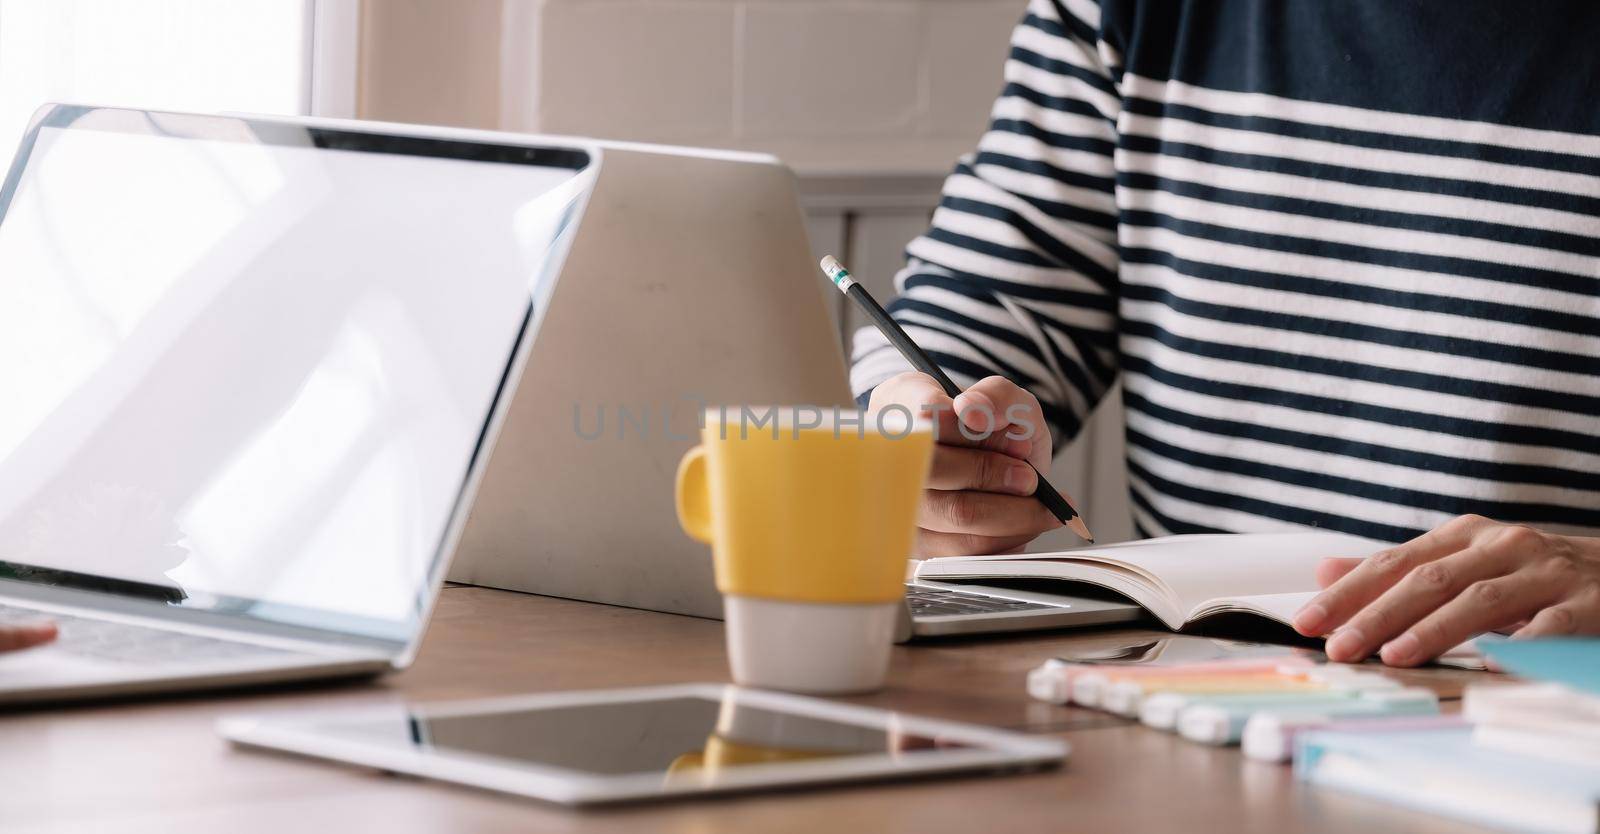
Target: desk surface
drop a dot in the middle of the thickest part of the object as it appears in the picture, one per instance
(158, 766)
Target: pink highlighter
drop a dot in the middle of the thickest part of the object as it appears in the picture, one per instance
(1059, 681)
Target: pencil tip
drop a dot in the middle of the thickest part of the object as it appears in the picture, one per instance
(1078, 527)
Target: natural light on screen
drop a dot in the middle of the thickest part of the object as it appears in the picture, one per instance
(254, 370)
(200, 55)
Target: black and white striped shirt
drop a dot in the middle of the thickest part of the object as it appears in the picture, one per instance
(1344, 256)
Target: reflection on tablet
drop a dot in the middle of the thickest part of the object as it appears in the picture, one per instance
(688, 737)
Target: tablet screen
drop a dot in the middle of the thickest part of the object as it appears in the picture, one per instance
(584, 748)
(686, 736)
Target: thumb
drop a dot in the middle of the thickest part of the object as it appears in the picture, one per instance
(1330, 571)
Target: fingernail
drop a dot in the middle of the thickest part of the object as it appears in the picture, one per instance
(1311, 619)
(1402, 649)
(1019, 479)
(975, 411)
(1346, 644)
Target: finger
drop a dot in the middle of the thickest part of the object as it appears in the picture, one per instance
(1420, 592)
(923, 396)
(931, 544)
(907, 388)
(998, 405)
(1579, 615)
(912, 391)
(1481, 607)
(1333, 569)
(26, 636)
(983, 514)
(1376, 574)
(949, 431)
(956, 468)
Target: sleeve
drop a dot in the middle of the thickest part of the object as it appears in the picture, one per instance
(1017, 274)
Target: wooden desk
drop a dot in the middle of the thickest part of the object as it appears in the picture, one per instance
(158, 766)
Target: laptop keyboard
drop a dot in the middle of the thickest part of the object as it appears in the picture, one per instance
(939, 602)
(106, 640)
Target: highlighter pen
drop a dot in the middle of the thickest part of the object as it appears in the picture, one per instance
(1126, 697)
(1270, 736)
(1042, 490)
(1224, 682)
(1051, 681)
(1160, 710)
(1088, 688)
(1220, 724)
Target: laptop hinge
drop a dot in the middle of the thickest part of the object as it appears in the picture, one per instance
(180, 614)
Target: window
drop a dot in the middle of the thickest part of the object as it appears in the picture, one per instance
(259, 56)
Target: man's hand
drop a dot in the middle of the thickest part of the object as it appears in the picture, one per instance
(25, 636)
(979, 496)
(1470, 575)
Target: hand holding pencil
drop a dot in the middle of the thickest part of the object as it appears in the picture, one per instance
(986, 493)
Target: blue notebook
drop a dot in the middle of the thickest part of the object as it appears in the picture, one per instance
(1572, 661)
(1442, 772)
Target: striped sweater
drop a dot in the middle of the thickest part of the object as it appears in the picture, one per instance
(1344, 256)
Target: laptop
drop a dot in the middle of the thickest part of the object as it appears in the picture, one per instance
(690, 282)
(252, 370)
(944, 609)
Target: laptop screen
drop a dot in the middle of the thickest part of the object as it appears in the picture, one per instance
(246, 366)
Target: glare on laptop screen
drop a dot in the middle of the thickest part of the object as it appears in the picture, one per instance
(246, 366)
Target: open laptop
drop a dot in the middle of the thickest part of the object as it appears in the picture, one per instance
(251, 371)
(690, 282)
(942, 609)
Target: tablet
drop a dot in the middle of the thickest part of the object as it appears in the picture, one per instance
(583, 748)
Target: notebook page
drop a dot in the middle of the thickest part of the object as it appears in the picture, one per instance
(1234, 565)
(1279, 607)
(1194, 570)
(1131, 583)
(1200, 568)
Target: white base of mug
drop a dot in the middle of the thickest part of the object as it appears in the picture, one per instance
(812, 647)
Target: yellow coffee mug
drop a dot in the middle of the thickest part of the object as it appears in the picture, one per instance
(806, 507)
(806, 513)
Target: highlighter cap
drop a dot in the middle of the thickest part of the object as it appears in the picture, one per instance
(1160, 711)
(1088, 688)
(1049, 684)
(1269, 736)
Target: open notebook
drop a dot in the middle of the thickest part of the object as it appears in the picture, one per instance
(1179, 579)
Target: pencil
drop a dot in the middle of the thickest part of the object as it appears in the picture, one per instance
(1043, 491)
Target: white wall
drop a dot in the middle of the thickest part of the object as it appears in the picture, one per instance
(837, 85)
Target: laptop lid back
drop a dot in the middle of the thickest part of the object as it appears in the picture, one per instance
(690, 284)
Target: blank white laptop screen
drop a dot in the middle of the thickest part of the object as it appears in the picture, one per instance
(245, 365)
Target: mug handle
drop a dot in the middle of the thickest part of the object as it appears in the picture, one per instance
(694, 495)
